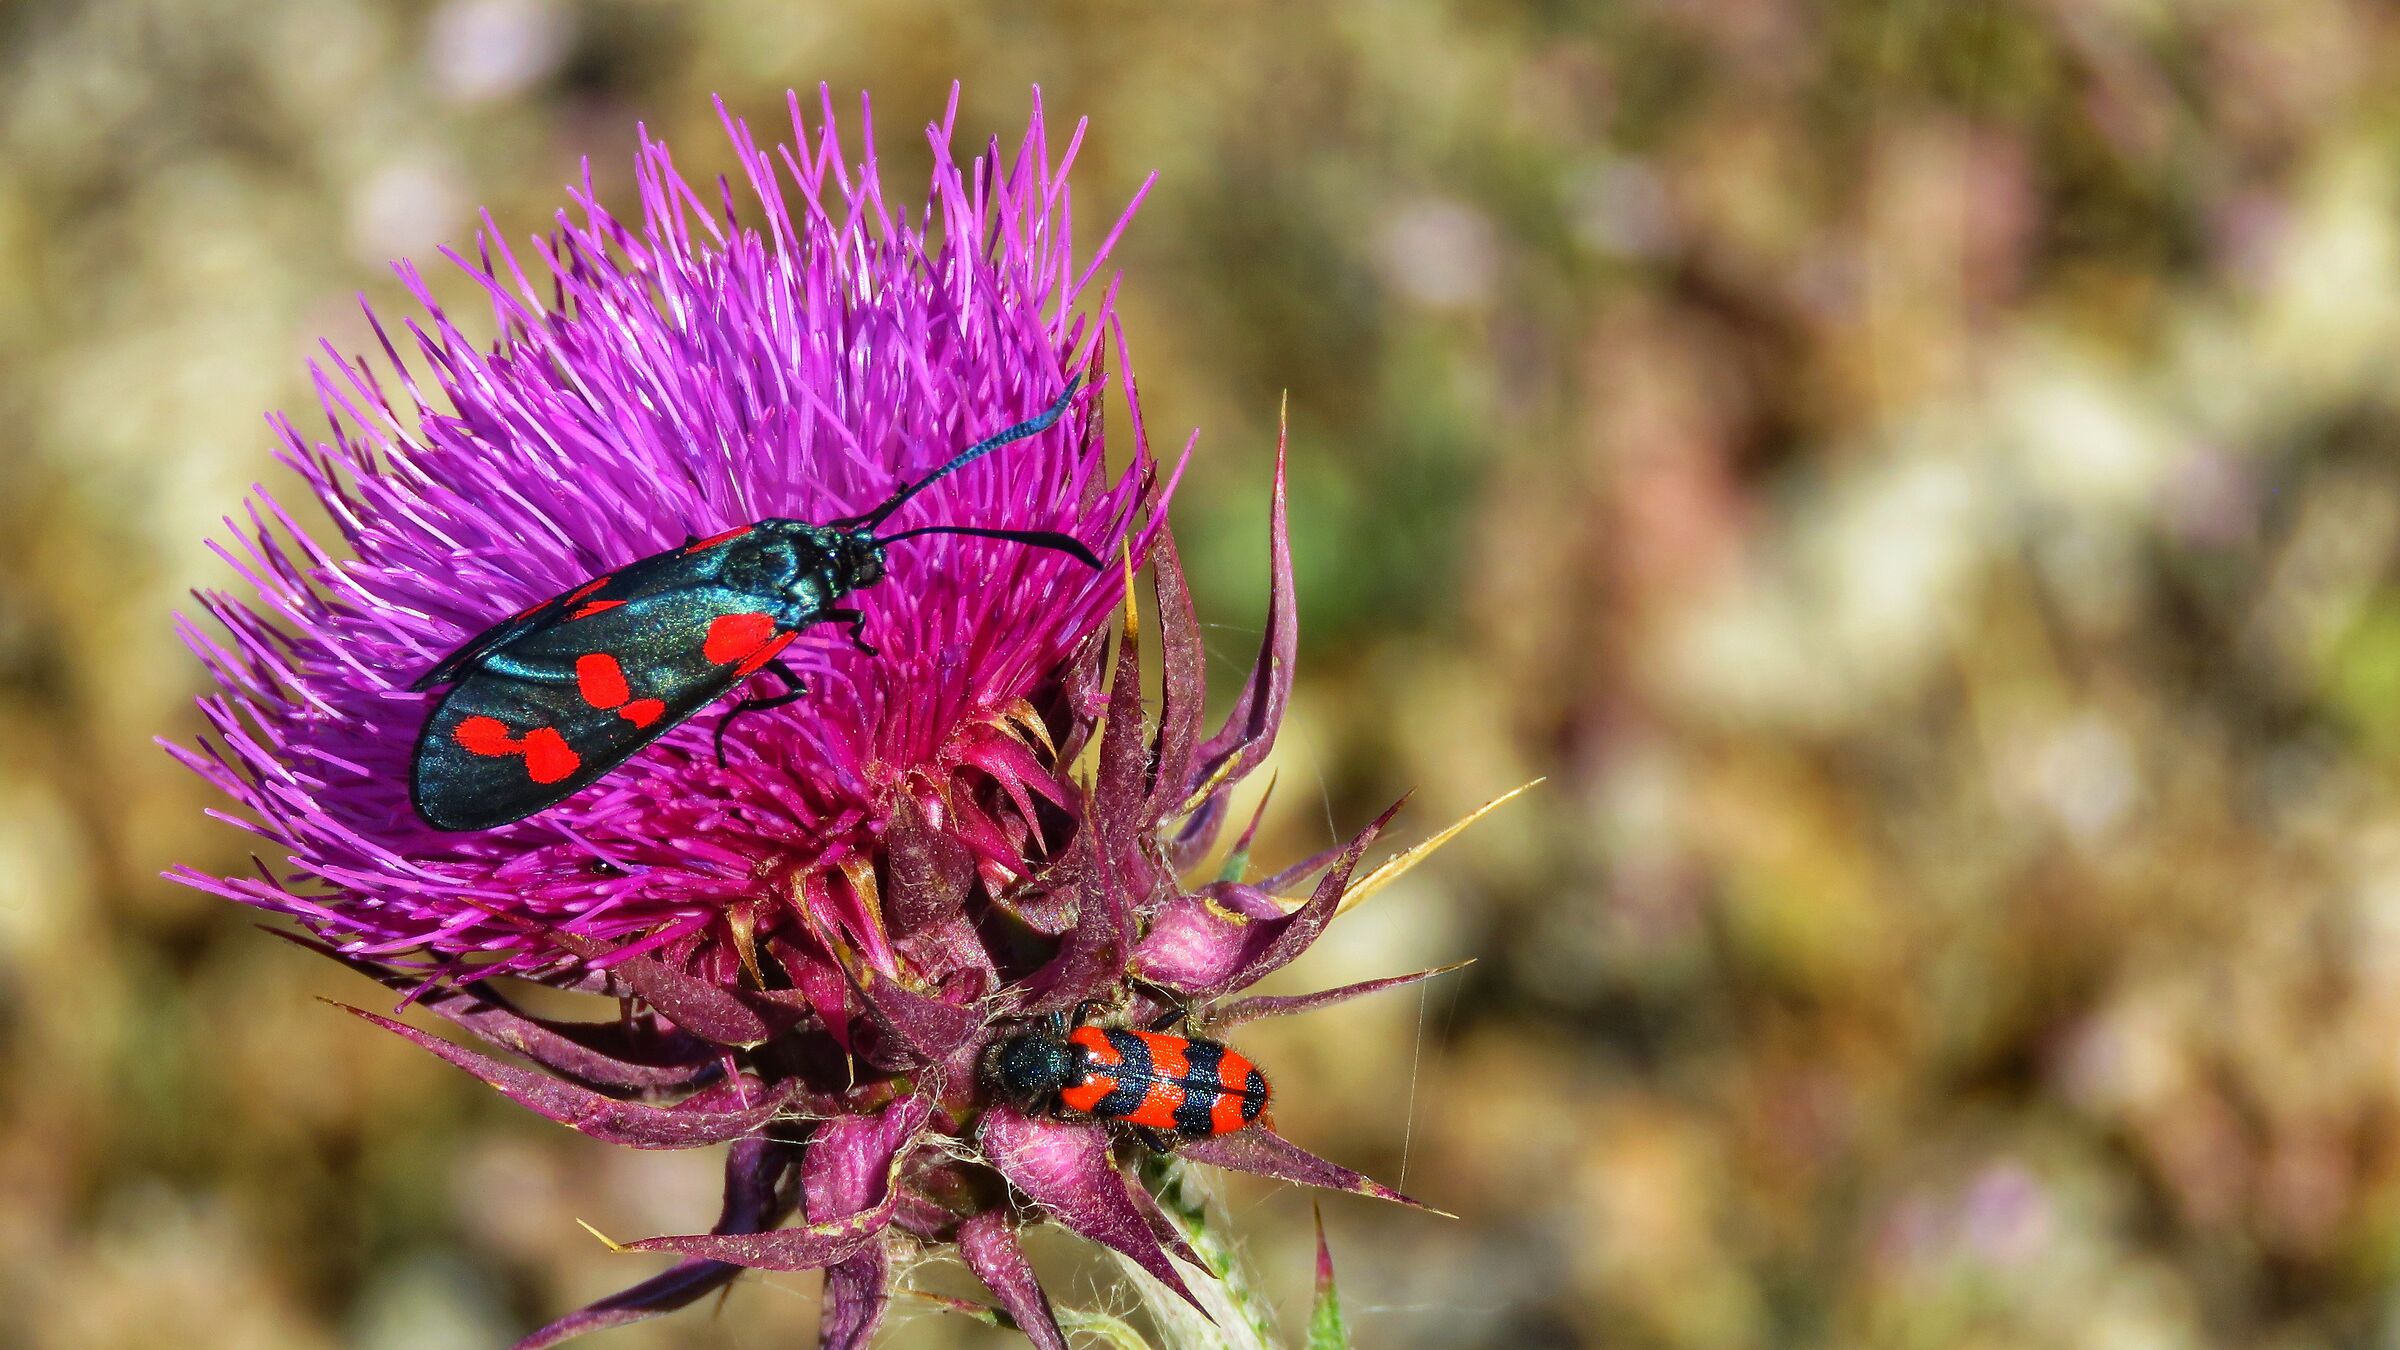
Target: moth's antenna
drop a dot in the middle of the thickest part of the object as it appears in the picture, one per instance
(978, 450)
(1049, 539)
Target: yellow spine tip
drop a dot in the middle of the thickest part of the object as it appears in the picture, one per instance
(1400, 863)
(605, 1240)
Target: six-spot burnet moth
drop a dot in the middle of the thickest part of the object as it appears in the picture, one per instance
(543, 704)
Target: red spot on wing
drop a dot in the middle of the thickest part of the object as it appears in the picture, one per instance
(593, 607)
(763, 655)
(601, 680)
(486, 736)
(570, 597)
(1089, 1093)
(731, 637)
(548, 757)
(704, 545)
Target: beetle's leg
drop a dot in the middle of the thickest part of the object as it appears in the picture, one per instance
(798, 689)
(1056, 1025)
(1158, 1141)
(1170, 1017)
(1085, 1009)
(856, 619)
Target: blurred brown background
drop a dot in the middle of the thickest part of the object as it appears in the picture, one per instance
(1918, 477)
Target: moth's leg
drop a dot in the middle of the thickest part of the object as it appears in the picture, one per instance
(796, 689)
(856, 620)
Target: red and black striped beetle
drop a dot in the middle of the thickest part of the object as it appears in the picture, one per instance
(1163, 1087)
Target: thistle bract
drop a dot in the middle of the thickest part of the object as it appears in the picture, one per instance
(978, 824)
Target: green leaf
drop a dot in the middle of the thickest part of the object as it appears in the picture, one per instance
(1326, 1329)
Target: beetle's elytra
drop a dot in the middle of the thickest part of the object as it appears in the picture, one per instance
(1165, 1088)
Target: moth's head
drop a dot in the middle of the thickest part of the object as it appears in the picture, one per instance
(858, 558)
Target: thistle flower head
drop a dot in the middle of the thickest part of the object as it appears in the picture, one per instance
(977, 824)
(655, 382)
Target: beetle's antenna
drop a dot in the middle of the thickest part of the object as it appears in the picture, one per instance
(978, 450)
(1049, 539)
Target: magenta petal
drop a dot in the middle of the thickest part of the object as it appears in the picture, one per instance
(594, 1054)
(1066, 1170)
(582, 1109)
(1200, 953)
(1283, 1005)
(754, 1170)
(1263, 1152)
(989, 1244)
(857, 1292)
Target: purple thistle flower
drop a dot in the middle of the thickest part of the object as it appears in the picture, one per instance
(673, 381)
(826, 933)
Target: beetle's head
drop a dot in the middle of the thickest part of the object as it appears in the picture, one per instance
(1029, 1067)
